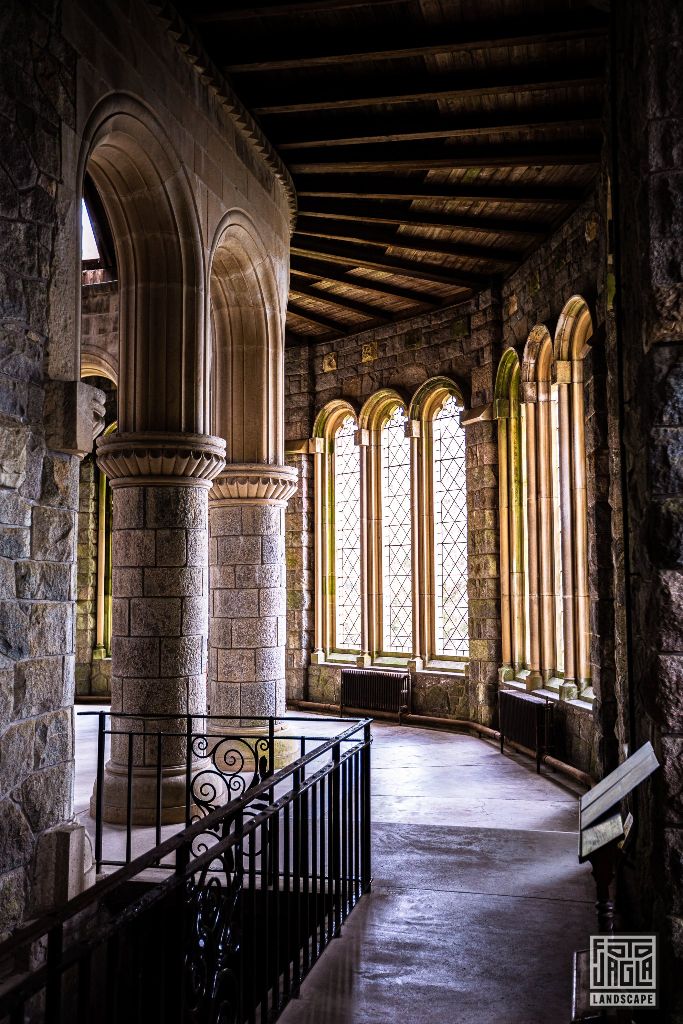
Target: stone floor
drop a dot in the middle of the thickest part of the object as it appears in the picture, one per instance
(478, 899)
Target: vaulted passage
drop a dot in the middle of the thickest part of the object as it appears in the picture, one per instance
(341, 348)
(476, 892)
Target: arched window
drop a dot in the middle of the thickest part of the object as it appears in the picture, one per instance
(514, 540)
(396, 535)
(338, 604)
(391, 529)
(441, 508)
(574, 331)
(555, 557)
(450, 531)
(346, 536)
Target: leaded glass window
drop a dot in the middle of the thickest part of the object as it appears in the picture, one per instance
(557, 530)
(397, 604)
(347, 537)
(450, 532)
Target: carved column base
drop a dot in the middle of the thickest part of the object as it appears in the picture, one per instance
(144, 795)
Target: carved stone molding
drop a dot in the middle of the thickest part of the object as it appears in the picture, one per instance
(163, 460)
(254, 483)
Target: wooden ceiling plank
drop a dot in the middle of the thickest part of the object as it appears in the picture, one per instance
(373, 186)
(412, 129)
(356, 256)
(373, 212)
(402, 43)
(215, 13)
(387, 90)
(352, 231)
(426, 156)
(318, 270)
(332, 299)
(316, 318)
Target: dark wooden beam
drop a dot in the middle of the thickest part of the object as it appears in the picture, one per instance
(350, 131)
(374, 186)
(214, 13)
(329, 298)
(370, 211)
(410, 41)
(316, 318)
(355, 256)
(320, 271)
(429, 156)
(272, 97)
(384, 237)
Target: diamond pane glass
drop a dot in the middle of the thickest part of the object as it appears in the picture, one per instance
(557, 530)
(450, 532)
(347, 536)
(397, 605)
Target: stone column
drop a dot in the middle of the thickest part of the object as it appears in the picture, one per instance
(160, 612)
(248, 626)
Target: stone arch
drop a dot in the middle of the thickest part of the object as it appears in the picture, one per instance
(378, 406)
(151, 210)
(574, 329)
(331, 415)
(431, 395)
(538, 356)
(247, 320)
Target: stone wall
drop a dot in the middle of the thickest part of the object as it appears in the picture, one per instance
(573, 261)
(38, 481)
(648, 197)
(99, 325)
(463, 343)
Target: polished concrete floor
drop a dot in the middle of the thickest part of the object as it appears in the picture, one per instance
(478, 900)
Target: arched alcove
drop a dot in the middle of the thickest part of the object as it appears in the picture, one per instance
(247, 321)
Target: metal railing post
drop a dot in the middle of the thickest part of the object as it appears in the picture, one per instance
(99, 793)
(366, 817)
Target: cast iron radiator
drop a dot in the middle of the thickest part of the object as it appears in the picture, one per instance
(374, 690)
(527, 720)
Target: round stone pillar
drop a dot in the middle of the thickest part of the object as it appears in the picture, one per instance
(160, 610)
(247, 631)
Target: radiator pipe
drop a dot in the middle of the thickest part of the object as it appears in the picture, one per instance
(455, 725)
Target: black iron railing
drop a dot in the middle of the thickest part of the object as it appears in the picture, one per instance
(255, 891)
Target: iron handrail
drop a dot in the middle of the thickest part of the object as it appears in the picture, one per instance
(150, 859)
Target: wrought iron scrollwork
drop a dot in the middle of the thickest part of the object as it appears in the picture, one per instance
(213, 944)
(231, 767)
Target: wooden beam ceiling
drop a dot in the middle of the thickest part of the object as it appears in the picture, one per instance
(373, 186)
(402, 42)
(389, 90)
(216, 13)
(313, 268)
(360, 256)
(369, 101)
(370, 211)
(366, 234)
(332, 299)
(429, 156)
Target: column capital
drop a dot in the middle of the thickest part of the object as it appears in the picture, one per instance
(254, 484)
(160, 460)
